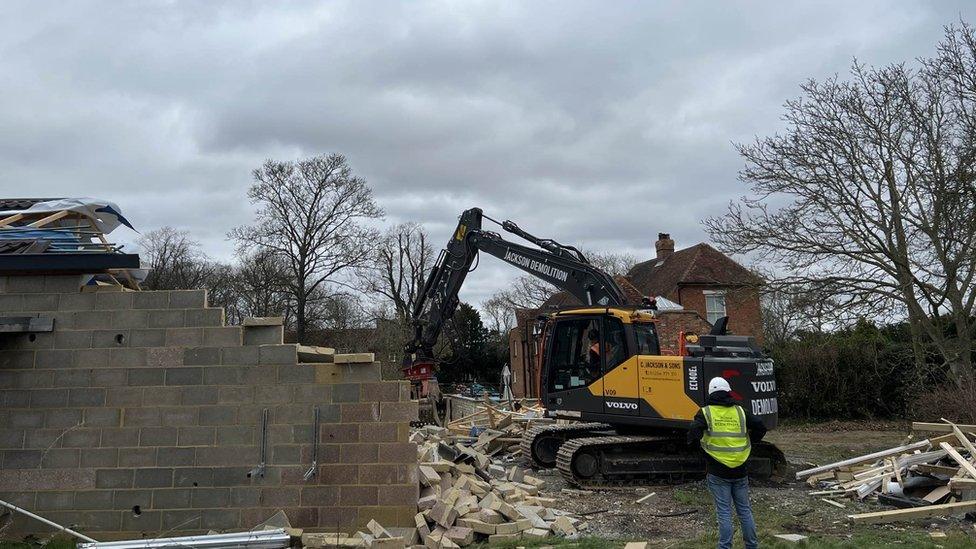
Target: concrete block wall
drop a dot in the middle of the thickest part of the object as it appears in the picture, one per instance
(141, 413)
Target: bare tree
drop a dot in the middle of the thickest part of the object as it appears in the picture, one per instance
(870, 196)
(499, 316)
(175, 261)
(261, 282)
(400, 267)
(312, 213)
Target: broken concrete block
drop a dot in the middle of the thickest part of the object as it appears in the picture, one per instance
(563, 526)
(377, 530)
(636, 545)
(443, 514)
(490, 516)
(460, 535)
(501, 538)
(428, 476)
(507, 528)
(536, 533)
(477, 525)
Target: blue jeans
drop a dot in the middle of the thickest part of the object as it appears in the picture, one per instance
(725, 492)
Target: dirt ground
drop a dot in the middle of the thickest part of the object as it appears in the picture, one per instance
(780, 507)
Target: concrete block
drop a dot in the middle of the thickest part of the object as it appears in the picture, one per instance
(72, 339)
(218, 415)
(91, 320)
(354, 358)
(398, 452)
(137, 457)
(175, 457)
(204, 317)
(81, 438)
(222, 336)
(384, 391)
(140, 417)
(235, 435)
(48, 501)
(73, 378)
(153, 478)
(99, 457)
(339, 433)
(196, 436)
(86, 398)
(92, 358)
(120, 437)
(164, 357)
(54, 359)
(162, 396)
(16, 359)
(113, 478)
(193, 476)
(130, 319)
(245, 497)
(184, 376)
(179, 416)
(147, 337)
(237, 476)
(124, 396)
(157, 436)
(399, 411)
(311, 394)
(228, 455)
(187, 299)
(171, 498)
(127, 357)
(379, 432)
(346, 392)
(272, 394)
(109, 338)
(202, 498)
(168, 318)
(49, 398)
(61, 458)
(143, 377)
(363, 452)
(39, 302)
(362, 412)
(12, 303)
(243, 356)
(103, 417)
(22, 459)
(14, 398)
(263, 321)
(184, 337)
(76, 302)
(127, 499)
(197, 395)
(236, 395)
(94, 500)
(263, 335)
(113, 300)
(25, 284)
(108, 378)
(297, 373)
(278, 354)
(150, 300)
(201, 356)
(188, 519)
(15, 480)
(62, 284)
(358, 495)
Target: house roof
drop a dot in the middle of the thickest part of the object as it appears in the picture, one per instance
(699, 264)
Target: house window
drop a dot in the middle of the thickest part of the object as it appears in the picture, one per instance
(714, 305)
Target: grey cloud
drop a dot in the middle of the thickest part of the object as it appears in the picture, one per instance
(594, 123)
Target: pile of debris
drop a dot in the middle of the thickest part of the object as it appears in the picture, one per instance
(467, 496)
(495, 429)
(931, 477)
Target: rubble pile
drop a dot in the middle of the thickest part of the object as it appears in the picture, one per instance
(469, 494)
(935, 476)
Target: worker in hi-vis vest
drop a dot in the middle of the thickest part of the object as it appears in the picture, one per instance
(726, 432)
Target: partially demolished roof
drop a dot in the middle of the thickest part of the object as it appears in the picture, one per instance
(62, 236)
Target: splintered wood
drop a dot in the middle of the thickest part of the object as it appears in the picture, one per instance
(924, 478)
(471, 491)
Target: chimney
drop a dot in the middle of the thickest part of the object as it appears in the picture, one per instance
(664, 245)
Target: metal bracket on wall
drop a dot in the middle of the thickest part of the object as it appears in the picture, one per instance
(313, 470)
(259, 470)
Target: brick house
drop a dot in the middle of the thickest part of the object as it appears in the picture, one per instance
(701, 284)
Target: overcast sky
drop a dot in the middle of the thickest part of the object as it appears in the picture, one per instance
(595, 123)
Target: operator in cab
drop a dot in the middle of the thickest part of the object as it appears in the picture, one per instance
(726, 431)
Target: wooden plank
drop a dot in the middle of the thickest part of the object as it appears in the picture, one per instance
(861, 459)
(936, 469)
(49, 219)
(965, 441)
(913, 513)
(11, 219)
(959, 459)
(939, 427)
(957, 484)
(936, 494)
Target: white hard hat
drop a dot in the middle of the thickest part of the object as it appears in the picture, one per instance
(719, 384)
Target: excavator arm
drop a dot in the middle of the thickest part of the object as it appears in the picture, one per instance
(562, 266)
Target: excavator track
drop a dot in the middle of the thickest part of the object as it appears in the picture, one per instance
(625, 461)
(541, 443)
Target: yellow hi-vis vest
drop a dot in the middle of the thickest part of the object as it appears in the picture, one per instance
(726, 439)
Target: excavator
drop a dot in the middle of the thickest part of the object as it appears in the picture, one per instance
(626, 407)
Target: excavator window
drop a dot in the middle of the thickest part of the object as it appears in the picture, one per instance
(572, 364)
(647, 342)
